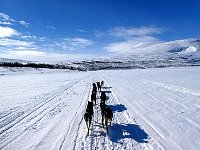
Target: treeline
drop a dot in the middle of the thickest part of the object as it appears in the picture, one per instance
(37, 65)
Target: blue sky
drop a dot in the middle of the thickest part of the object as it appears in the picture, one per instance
(30, 29)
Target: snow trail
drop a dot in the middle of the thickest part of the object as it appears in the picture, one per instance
(124, 133)
(43, 118)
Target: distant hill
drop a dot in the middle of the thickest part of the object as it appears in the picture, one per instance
(180, 48)
(164, 54)
(152, 55)
(13, 60)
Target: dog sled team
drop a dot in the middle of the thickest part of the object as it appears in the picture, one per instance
(106, 112)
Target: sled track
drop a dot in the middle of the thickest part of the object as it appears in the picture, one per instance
(20, 115)
(124, 133)
(84, 99)
(25, 119)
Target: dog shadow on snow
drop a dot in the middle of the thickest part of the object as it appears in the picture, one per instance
(117, 108)
(118, 132)
(107, 89)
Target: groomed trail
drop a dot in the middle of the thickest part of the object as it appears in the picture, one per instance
(124, 133)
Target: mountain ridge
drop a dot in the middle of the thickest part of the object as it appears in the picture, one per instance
(176, 53)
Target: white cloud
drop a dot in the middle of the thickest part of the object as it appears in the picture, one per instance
(99, 34)
(38, 49)
(46, 57)
(26, 53)
(80, 30)
(130, 44)
(131, 38)
(129, 32)
(72, 43)
(5, 23)
(6, 20)
(10, 43)
(81, 42)
(23, 23)
(51, 27)
(7, 32)
(28, 37)
(4, 16)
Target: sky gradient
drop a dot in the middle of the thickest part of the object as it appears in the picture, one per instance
(30, 29)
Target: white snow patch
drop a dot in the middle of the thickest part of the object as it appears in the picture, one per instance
(190, 49)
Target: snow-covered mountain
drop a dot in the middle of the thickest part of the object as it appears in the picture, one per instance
(164, 54)
(179, 48)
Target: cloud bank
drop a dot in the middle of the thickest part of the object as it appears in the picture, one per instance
(129, 32)
(130, 38)
(7, 32)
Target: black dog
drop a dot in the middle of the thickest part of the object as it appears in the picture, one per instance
(103, 97)
(99, 86)
(88, 115)
(94, 88)
(106, 114)
(102, 83)
(93, 97)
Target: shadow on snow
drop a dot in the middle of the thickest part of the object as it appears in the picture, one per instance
(132, 131)
(118, 108)
(106, 88)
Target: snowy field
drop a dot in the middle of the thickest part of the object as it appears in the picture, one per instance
(153, 109)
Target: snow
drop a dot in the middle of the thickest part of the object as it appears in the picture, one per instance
(153, 109)
(161, 49)
(190, 49)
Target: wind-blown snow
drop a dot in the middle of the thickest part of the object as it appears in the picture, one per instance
(153, 109)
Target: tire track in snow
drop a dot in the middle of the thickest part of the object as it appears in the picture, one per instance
(22, 114)
(176, 119)
(174, 88)
(60, 126)
(82, 129)
(164, 98)
(29, 117)
(177, 93)
(7, 114)
(163, 102)
(75, 118)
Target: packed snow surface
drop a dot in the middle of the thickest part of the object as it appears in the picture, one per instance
(153, 109)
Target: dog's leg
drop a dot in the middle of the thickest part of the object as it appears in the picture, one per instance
(89, 123)
(110, 121)
(106, 122)
(87, 127)
(103, 120)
